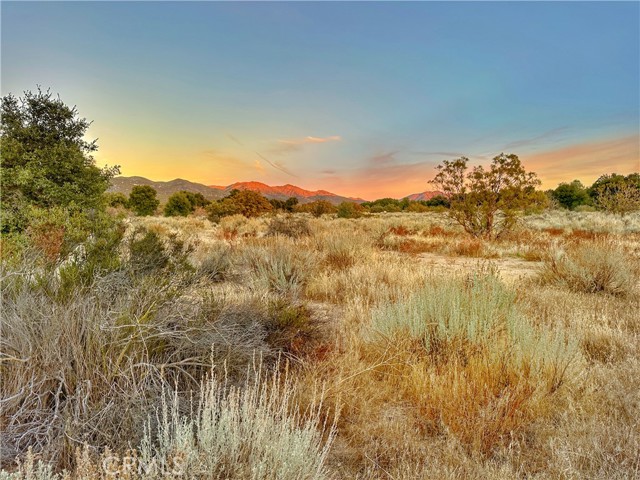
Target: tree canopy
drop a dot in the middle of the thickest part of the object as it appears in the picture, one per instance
(485, 202)
(46, 160)
(142, 200)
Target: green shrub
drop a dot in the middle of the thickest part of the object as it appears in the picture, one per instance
(178, 205)
(143, 200)
(350, 210)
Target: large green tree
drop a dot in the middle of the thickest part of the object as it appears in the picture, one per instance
(486, 202)
(46, 160)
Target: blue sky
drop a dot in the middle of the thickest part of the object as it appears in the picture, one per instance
(358, 98)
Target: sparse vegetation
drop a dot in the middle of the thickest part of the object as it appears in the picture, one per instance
(410, 353)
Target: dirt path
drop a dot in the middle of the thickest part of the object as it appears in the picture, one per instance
(510, 269)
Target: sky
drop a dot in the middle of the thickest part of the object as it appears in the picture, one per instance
(361, 99)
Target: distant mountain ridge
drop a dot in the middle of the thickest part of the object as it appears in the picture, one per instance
(423, 196)
(214, 192)
(282, 192)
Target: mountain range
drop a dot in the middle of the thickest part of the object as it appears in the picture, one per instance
(215, 192)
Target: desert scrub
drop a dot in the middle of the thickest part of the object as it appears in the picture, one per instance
(216, 262)
(294, 226)
(591, 267)
(251, 432)
(254, 431)
(88, 366)
(471, 363)
(279, 266)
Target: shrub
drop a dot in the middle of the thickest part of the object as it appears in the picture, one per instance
(116, 200)
(318, 208)
(590, 268)
(350, 210)
(251, 432)
(281, 268)
(143, 200)
(91, 367)
(178, 205)
(473, 365)
(217, 264)
(290, 226)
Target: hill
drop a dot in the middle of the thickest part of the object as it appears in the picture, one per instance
(423, 196)
(164, 189)
(282, 192)
(213, 192)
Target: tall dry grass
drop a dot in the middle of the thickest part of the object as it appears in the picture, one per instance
(440, 372)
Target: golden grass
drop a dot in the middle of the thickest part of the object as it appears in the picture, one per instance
(431, 372)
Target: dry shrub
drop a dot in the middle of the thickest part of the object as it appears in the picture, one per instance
(48, 239)
(474, 367)
(579, 234)
(249, 432)
(280, 267)
(554, 232)
(415, 246)
(217, 262)
(401, 231)
(290, 226)
(470, 247)
(591, 268)
(341, 250)
(88, 367)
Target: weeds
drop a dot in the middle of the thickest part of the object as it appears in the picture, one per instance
(598, 267)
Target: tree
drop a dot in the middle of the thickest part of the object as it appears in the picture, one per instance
(143, 200)
(243, 202)
(571, 195)
(196, 199)
(116, 199)
(179, 205)
(616, 193)
(318, 208)
(350, 210)
(46, 161)
(486, 202)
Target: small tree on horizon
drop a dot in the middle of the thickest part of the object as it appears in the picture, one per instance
(486, 202)
(143, 200)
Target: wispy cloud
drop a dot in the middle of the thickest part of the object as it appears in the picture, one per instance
(296, 144)
(554, 133)
(302, 141)
(586, 161)
(277, 165)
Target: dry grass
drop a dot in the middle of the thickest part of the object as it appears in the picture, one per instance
(432, 369)
(592, 268)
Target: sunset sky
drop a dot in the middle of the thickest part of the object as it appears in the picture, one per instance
(361, 99)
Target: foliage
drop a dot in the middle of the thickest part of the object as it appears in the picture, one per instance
(290, 226)
(178, 205)
(616, 193)
(287, 205)
(571, 195)
(350, 210)
(116, 199)
(143, 200)
(600, 267)
(242, 202)
(437, 201)
(318, 208)
(45, 160)
(486, 202)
